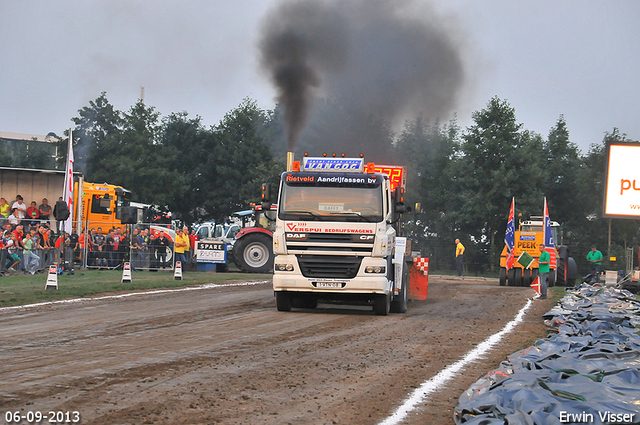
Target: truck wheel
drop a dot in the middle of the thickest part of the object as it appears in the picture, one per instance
(283, 301)
(511, 275)
(572, 272)
(526, 277)
(399, 303)
(253, 253)
(503, 276)
(517, 280)
(382, 304)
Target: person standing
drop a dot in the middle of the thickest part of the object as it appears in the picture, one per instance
(594, 257)
(181, 245)
(109, 248)
(135, 249)
(160, 246)
(143, 238)
(5, 209)
(45, 212)
(98, 242)
(193, 238)
(31, 260)
(459, 256)
(543, 271)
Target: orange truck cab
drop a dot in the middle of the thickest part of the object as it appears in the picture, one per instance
(101, 204)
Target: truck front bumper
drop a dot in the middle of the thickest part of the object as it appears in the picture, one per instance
(362, 283)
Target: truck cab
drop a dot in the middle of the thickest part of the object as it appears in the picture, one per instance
(336, 236)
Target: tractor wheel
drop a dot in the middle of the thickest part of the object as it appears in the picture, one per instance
(253, 253)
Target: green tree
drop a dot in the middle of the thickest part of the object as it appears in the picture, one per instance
(564, 191)
(187, 145)
(94, 125)
(498, 161)
(134, 158)
(239, 161)
(428, 152)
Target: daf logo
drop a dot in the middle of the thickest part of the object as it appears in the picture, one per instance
(296, 236)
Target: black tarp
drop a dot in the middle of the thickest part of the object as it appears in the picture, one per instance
(587, 370)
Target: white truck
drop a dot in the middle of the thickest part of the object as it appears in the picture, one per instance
(337, 235)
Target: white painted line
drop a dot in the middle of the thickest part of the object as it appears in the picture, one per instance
(420, 393)
(131, 294)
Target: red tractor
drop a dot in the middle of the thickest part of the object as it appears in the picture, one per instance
(253, 246)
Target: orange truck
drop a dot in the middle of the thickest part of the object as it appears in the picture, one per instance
(100, 204)
(528, 237)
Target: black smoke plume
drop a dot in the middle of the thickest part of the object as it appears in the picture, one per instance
(374, 60)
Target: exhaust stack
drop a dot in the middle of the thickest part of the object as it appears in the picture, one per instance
(289, 161)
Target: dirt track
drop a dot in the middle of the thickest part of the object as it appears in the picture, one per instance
(226, 356)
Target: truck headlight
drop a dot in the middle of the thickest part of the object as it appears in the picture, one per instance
(375, 269)
(284, 267)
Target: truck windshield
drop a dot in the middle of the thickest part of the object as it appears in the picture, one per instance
(331, 203)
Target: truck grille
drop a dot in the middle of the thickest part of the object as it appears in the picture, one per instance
(329, 266)
(302, 243)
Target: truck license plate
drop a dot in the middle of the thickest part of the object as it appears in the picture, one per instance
(329, 285)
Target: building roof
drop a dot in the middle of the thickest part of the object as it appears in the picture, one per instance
(20, 136)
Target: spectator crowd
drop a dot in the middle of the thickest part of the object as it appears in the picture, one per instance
(30, 243)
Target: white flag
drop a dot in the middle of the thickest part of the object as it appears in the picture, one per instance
(68, 186)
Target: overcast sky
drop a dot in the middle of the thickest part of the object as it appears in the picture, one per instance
(545, 57)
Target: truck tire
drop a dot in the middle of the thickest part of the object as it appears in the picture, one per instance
(399, 303)
(382, 304)
(572, 272)
(283, 301)
(503, 276)
(517, 280)
(511, 277)
(526, 277)
(253, 253)
(551, 279)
